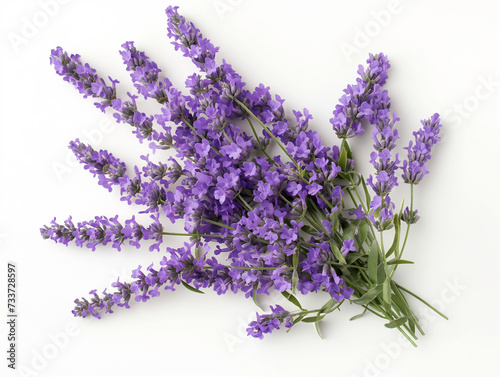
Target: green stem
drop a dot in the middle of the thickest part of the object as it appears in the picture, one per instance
(196, 133)
(218, 224)
(408, 225)
(244, 203)
(312, 221)
(280, 144)
(421, 299)
(226, 135)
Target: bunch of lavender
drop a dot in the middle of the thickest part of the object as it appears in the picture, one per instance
(303, 222)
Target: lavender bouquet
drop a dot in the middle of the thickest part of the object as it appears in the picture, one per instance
(300, 222)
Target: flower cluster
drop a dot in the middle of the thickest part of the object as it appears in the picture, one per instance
(419, 152)
(294, 222)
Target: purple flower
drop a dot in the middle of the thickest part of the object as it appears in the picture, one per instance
(347, 246)
(359, 101)
(145, 73)
(415, 167)
(255, 221)
(381, 212)
(100, 230)
(409, 216)
(83, 77)
(102, 164)
(266, 323)
(154, 232)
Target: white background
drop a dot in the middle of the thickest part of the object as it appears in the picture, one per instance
(444, 58)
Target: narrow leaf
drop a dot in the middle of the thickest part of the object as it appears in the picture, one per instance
(386, 292)
(295, 280)
(396, 323)
(358, 315)
(299, 318)
(397, 234)
(363, 231)
(316, 318)
(381, 273)
(191, 288)
(292, 299)
(316, 325)
(399, 261)
(308, 229)
(343, 160)
(254, 297)
(349, 231)
(373, 262)
(330, 306)
(345, 146)
(367, 195)
(369, 296)
(337, 253)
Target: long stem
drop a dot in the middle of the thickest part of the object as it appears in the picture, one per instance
(196, 133)
(408, 225)
(280, 144)
(218, 224)
(421, 299)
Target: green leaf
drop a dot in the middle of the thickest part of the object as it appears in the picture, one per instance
(316, 318)
(343, 175)
(254, 297)
(309, 229)
(396, 323)
(292, 299)
(373, 262)
(299, 318)
(330, 306)
(400, 300)
(345, 146)
(399, 303)
(337, 252)
(343, 160)
(316, 326)
(399, 261)
(295, 259)
(363, 231)
(358, 315)
(353, 256)
(191, 288)
(397, 234)
(381, 273)
(295, 280)
(367, 195)
(386, 292)
(412, 326)
(295, 274)
(369, 296)
(335, 220)
(349, 231)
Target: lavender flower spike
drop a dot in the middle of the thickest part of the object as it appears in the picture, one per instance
(145, 73)
(83, 77)
(107, 167)
(255, 222)
(189, 39)
(361, 100)
(100, 230)
(415, 168)
(266, 323)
